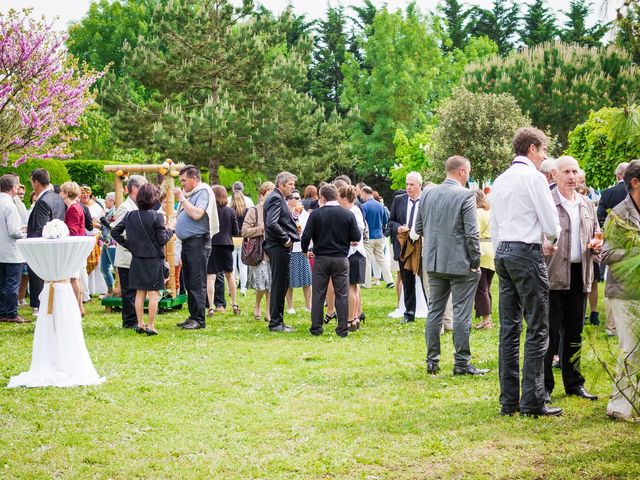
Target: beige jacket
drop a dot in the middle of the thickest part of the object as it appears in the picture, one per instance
(123, 257)
(559, 264)
(612, 254)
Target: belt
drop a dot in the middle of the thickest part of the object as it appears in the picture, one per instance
(485, 240)
(520, 246)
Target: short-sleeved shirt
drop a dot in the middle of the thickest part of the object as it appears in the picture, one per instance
(187, 227)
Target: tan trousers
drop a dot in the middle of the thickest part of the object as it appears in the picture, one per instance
(375, 252)
(625, 393)
(610, 325)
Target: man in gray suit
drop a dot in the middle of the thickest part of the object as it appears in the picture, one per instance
(451, 259)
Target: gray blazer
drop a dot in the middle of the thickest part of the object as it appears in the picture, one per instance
(448, 222)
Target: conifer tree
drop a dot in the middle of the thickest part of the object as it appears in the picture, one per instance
(539, 25)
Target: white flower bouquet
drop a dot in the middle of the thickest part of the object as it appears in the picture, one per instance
(55, 229)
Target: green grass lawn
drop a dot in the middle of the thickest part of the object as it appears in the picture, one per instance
(236, 401)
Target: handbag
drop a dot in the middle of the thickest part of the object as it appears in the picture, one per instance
(252, 252)
(165, 265)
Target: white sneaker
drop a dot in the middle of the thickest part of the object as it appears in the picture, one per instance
(243, 292)
(22, 303)
(291, 311)
(35, 311)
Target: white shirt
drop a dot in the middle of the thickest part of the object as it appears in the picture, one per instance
(360, 221)
(247, 202)
(123, 257)
(573, 209)
(302, 221)
(522, 208)
(10, 230)
(415, 211)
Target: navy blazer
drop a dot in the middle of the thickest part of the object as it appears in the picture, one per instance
(143, 226)
(397, 218)
(48, 207)
(610, 198)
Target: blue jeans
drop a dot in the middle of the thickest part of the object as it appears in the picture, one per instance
(107, 259)
(10, 275)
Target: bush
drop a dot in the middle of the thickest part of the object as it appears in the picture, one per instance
(56, 169)
(608, 137)
(91, 172)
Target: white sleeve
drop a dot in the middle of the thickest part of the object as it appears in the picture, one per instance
(545, 207)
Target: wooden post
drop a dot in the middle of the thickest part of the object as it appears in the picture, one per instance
(169, 250)
(119, 191)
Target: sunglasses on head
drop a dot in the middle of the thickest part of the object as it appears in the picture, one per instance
(293, 198)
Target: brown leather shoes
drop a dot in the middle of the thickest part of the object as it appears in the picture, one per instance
(16, 319)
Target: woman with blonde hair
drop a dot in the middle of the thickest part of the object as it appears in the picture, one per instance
(239, 205)
(357, 258)
(258, 276)
(487, 267)
(74, 219)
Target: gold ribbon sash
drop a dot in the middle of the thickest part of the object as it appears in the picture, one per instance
(50, 302)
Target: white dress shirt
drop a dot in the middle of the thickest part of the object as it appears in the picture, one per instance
(415, 211)
(573, 209)
(522, 208)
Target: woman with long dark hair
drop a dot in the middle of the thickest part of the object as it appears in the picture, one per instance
(145, 239)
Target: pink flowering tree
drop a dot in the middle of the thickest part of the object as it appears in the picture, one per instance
(43, 91)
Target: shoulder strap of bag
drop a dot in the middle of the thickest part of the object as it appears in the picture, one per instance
(146, 234)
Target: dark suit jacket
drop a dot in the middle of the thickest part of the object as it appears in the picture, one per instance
(148, 226)
(609, 199)
(50, 206)
(397, 218)
(279, 225)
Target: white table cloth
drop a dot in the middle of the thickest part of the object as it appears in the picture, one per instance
(422, 309)
(60, 357)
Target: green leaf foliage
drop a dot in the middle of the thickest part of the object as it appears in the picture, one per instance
(412, 155)
(499, 24)
(556, 84)
(399, 86)
(56, 169)
(91, 173)
(576, 30)
(539, 24)
(480, 127)
(608, 137)
(222, 85)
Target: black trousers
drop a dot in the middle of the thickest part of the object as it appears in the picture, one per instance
(335, 269)
(218, 296)
(36, 284)
(566, 319)
(280, 257)
(129, 318)
(409, 289)
(524, 290)
(195, 255)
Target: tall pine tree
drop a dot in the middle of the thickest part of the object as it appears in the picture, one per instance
(499, 24)
(539, 24)
(576, 30)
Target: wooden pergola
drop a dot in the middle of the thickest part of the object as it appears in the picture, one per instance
(170, 171)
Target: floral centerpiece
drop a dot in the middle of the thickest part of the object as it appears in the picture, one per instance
(55, 229)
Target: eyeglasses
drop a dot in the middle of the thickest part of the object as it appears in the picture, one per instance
(293, 198)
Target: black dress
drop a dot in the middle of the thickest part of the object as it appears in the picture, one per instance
(146, 235)
(221, 258)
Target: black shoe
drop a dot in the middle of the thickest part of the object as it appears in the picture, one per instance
(509, 411)
(140, 329)
(282, 328)
(547, 398)
(432, 368)
(391, 285)
(150, 332)
(182, 324)
(594, 318)
(544, 412)
(315, 333)
(408, 319)
(469, 370)
(192, 325)
(328, 318)
(581, 392)
(132, 327)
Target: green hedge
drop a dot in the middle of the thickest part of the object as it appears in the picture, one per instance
(91, 172)
(56, 169)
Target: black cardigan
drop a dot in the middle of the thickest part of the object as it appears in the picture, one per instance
(137, 242)
(228, 227)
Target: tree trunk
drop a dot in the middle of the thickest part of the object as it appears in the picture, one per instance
(214, 177)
